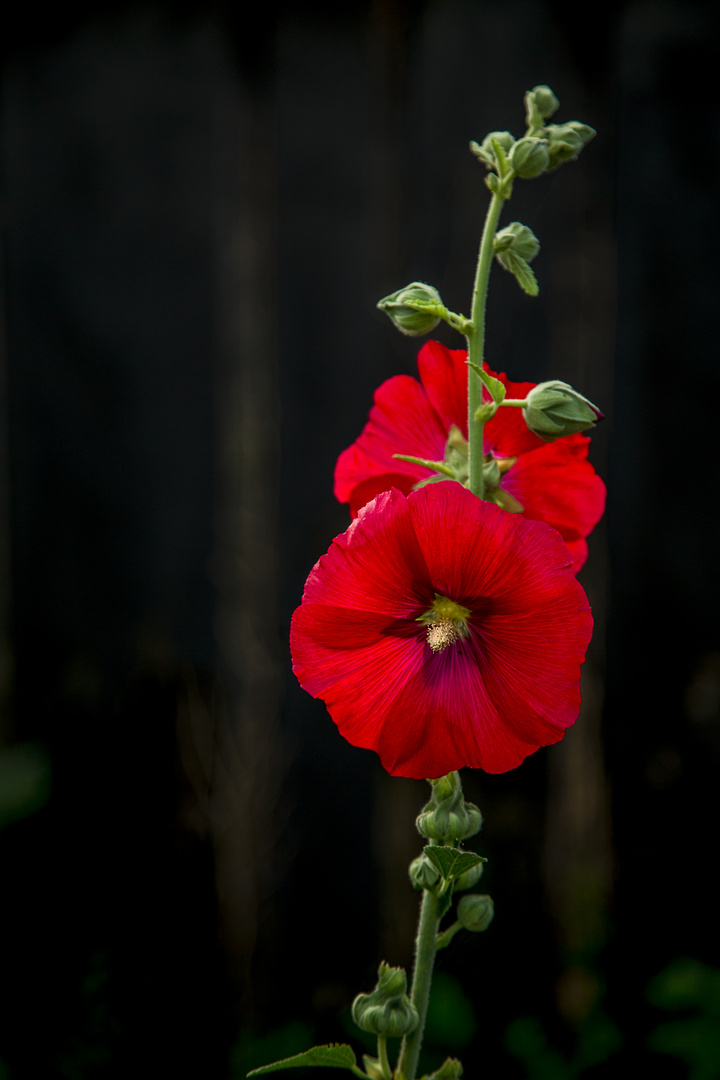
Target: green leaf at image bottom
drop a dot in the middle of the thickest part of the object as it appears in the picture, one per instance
(335, 1055)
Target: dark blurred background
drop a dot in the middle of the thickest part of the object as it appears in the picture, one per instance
(201, 204)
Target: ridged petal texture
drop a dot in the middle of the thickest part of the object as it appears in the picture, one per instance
(554, 482)
(511, 685)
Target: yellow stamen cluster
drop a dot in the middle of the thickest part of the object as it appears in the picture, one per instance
(445, 623)
(442, 633)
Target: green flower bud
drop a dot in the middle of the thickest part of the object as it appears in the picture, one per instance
(447, 818)
(544, 100)
(554, 409)
(414, 309)
(423, 875)
(586, 133)
(520, 238)
(529, 157)
(470, 878)
(564, 142)
(451, 1069)
(485, 151)
(475, 912)
(387, 1010)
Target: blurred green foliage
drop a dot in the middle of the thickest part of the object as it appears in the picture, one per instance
(251, 1050)
(692, 988)
(24, 781)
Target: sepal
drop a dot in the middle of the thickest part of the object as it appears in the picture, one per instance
(373, 1068)
(451, 1069)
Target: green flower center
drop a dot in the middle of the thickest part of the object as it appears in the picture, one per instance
(445, 622)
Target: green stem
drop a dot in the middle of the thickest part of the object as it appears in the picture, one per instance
(476, 344)
(383, 1057)
(447, 935)
(422, 978)
(518, 403)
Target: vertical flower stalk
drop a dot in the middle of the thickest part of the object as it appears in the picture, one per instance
(476, 346)
(425, 949)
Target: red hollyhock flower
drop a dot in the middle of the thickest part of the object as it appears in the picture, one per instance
(552, 482)
(442, 631)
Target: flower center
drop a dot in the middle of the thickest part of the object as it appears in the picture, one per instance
(442, 633)
(445, 622)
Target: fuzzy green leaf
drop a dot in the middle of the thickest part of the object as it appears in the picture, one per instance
(520, 270)
(452, 862)
(334, 1055)
(495, 387)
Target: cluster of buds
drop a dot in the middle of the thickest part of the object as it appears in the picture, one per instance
(543, 147)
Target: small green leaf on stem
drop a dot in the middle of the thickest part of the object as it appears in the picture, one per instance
(520, 270)
(451, 862)
(494, 386)
(334, 1055)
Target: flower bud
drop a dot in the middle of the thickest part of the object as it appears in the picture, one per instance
(586, 133)
(486, 151)
(475, 912)
(413, 309)
(520, 238)
(387, 1010)
(470, 878)
(423, 875)
(544, 100)
(447, 817)
(529, 157)
(564, 142)
(554, 409)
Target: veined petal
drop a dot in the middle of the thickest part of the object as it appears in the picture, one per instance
(456, 722)
(507, 434)
(401, 421)
(553, 482)
(557, 484)
(488, 697)
(377, 565)
(444, 375)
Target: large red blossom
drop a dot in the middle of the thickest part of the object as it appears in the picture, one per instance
(442, 631)
(553, 482)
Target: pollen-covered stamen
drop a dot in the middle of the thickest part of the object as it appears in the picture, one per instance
(446, 623)
(442, 633)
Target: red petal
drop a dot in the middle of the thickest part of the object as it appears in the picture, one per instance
(376, 565)
(507, 434)
(557, 484)
(401, 421)
(444, 375)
